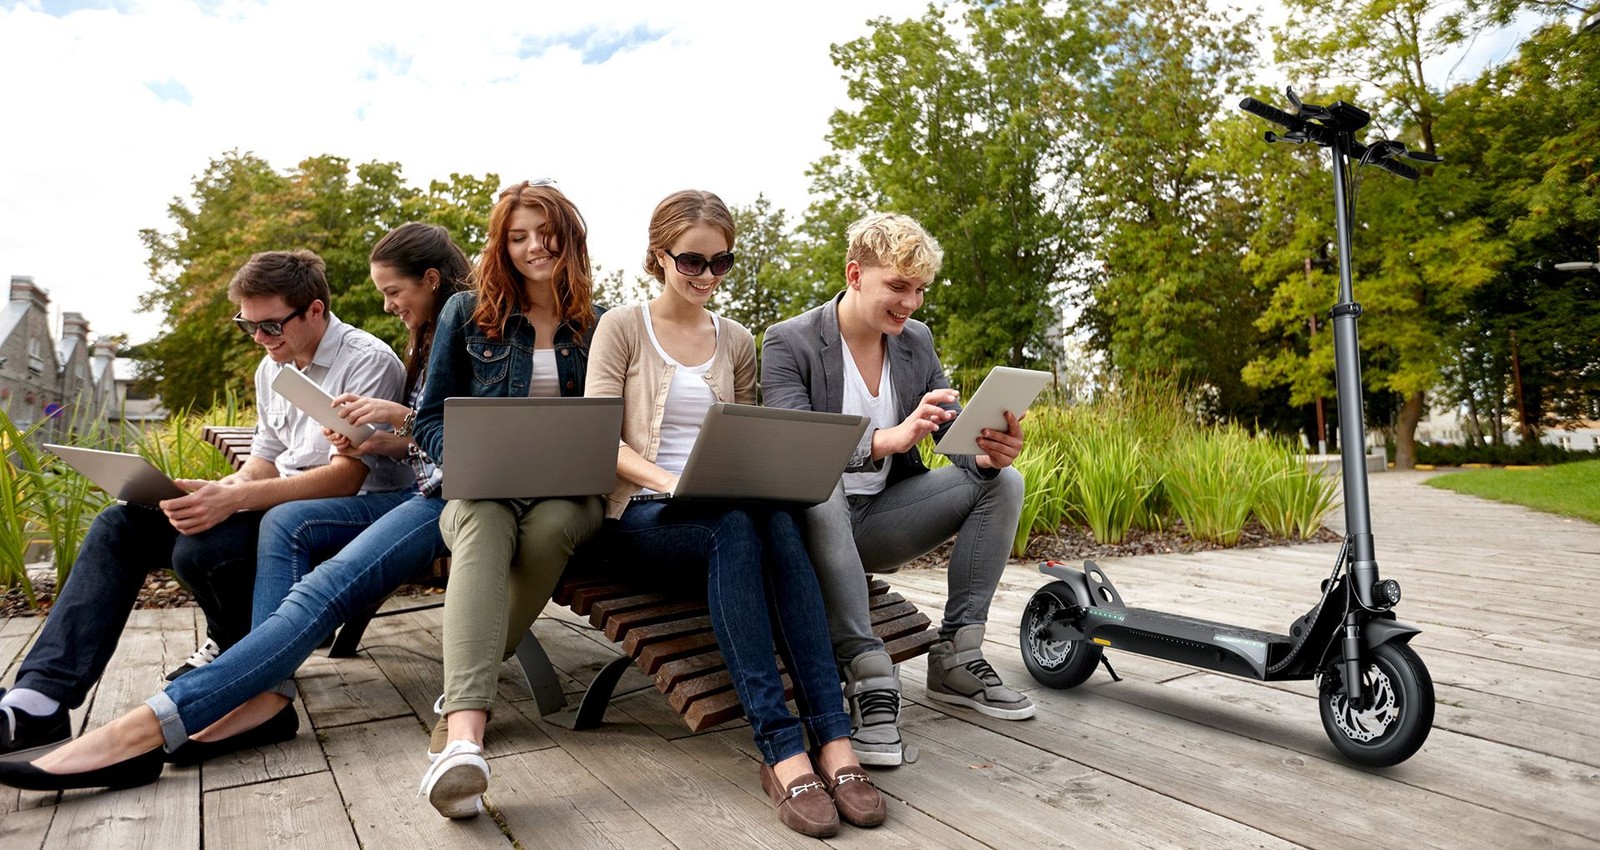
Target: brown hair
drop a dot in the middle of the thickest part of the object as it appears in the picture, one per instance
(298, 277)
(677, 213)
(411, 249)
(500, 286)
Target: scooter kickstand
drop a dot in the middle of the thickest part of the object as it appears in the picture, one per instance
(1107, 662)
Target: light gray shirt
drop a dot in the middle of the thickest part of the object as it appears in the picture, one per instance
(347, 359)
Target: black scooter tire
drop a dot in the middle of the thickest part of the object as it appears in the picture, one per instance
(1055, 664)
(1409, 694)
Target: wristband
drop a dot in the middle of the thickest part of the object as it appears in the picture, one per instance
(405, 426)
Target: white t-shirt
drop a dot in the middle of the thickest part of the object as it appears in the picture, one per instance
(879, 408)
(688, 398)
(546, 382)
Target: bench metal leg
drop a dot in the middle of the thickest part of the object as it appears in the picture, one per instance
(349, 637)
(591, 712)
(541, 675)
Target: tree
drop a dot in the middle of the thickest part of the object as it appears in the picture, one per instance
(1172, 201)
(239, 206)
(1416, 270)
(763, 287)
(970, 124)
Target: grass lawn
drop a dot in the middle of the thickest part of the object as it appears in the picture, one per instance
(1572, 489)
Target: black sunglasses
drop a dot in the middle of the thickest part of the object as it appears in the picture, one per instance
(270, 327)
(691, 264)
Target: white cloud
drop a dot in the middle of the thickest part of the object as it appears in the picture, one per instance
(105, 116)
(107, 113)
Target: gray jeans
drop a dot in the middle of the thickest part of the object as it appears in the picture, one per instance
(849, 537)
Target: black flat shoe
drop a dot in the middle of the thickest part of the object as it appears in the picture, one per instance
(142, 769)
(276, 729)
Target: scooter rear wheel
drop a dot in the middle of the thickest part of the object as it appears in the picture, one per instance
(1055, 663)
(1400, 716)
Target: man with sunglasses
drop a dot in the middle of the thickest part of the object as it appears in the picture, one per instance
(862, 353)
(209, 536)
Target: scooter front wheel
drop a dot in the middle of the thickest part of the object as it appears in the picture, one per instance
(1055, 663)
(1399, 714)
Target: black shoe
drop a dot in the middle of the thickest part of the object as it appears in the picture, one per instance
(142, 769)
(21, 731)
(276, 729)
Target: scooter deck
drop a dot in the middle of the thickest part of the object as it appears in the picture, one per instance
(1200, 643)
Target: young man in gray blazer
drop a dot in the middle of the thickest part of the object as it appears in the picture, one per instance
(862, 353)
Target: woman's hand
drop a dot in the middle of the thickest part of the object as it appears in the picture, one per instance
(366, 410)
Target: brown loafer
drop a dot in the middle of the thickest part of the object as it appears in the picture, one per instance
(856, 798)
(804, 806)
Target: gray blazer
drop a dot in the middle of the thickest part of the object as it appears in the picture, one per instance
(802, 368)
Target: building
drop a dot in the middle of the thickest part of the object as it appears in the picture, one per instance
(73, 382)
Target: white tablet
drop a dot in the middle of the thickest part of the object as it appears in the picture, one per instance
(304, 393)
(1005, 389)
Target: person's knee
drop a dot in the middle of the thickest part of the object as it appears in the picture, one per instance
(1008, 486)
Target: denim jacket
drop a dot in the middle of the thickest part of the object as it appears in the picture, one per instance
(464, 361)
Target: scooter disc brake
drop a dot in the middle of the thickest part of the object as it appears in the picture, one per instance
(1371, 723)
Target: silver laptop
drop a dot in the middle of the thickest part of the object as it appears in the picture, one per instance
(127, 477)
(530, 448)
(745, 452)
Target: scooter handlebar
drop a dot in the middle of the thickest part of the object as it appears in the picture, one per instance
(1271, 113)
(1399, 169)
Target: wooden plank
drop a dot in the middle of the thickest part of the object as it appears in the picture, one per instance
(550, 799)
(377, 766)
(16, 634)
(296, 757)
(403, 649)
(299, 811)
(619, 624)
(688, 803)
(25, 829)
(342, 691)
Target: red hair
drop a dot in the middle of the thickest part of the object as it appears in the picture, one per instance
(501, 287)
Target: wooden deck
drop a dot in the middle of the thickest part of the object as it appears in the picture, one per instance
(1166, 758)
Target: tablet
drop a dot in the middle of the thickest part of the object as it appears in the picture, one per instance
(127, 477)
(1005, 389)
(304, 393)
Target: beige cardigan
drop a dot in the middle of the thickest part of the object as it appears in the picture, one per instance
(623, 362)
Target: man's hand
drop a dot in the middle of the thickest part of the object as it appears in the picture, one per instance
(1001, 447)
(208, 503)
(924, 420)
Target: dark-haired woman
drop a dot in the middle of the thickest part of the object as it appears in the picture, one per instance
(244, 697)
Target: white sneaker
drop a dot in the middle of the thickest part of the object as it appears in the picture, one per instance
(456, 780)
(206, 654)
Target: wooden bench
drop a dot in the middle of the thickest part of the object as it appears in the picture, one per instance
(665, 632)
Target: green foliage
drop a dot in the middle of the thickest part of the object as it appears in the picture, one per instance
(763, 288)
(1167, 213)
(44, 501)
(969, 123)
(1211, 479)
(1571, 489)
(1291, 500)
(239, 206)
(1503, 454)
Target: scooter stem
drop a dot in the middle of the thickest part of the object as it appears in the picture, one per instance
(1347, 373)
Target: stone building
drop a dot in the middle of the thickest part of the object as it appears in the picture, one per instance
(72, 381)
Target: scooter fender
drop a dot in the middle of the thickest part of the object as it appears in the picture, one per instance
(1074, 578)
(1381, 631)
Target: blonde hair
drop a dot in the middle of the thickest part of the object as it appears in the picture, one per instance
(894, 241)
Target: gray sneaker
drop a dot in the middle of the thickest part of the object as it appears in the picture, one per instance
(957, 674)
(873, 690)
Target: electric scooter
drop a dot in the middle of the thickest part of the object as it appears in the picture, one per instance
(1375, 695)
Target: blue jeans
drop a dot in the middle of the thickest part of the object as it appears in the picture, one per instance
(297, 536)
(396, 547)
(123, 545)
(750, 558)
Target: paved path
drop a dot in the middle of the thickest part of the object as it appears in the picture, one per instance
(1168, 757)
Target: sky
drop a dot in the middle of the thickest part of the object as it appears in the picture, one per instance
(109, 108)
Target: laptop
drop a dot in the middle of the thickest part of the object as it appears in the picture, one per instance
(530, 448)
(127, 477)
(750, 453)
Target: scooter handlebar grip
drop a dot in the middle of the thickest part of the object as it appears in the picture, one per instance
(1399, 169)
(1271, 113)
